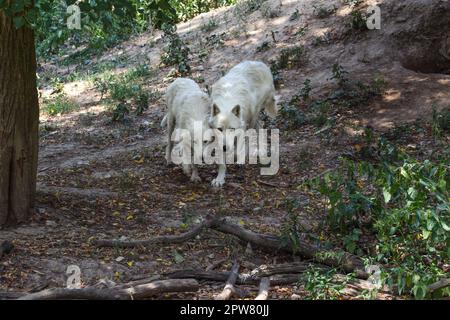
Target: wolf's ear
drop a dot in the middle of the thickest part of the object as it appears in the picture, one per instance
(216, 110)
(237, 111)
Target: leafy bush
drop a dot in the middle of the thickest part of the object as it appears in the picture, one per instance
(441, 121)
(358, 20)
(291, 57)
(125, 91)
(176, 51)
(209, 26)
(61, 104)
(188, 9)
(404, 203)
(105, 22)
(320, 283)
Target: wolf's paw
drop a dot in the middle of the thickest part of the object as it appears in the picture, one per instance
(187, 170)
(196, 179)
(217, 183)
(168, 160)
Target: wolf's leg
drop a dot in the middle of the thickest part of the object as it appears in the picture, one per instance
(195, 177)
(170, 128)
(187, 169)
(219, 181)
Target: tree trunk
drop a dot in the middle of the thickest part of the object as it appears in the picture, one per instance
(19, 121)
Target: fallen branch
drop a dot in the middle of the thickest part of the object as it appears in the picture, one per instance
(216, 264)
(157, 240)
(271, 243)
(229, 286)
(269, 270)
(346, 261)
(263, 289)
(354, 288)
(11, 295)
(443, 283)
(269, 184)
(220, 276)
(140, 291)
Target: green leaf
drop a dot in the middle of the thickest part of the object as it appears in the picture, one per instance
(387, 195)
(178, 257)
(420, 291)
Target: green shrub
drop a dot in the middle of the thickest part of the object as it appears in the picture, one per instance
(404, 203)
(176, 52)
(358, 20)
(440, 123)
(209, 26)
(320, 283)
(125, 91)
(291, 57)
(60, 104)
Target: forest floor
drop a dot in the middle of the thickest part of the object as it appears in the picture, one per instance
(104, 179)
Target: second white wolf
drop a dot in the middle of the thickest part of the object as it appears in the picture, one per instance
(187, 106)
(238, 98)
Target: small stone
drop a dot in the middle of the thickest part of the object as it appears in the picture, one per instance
(295, 297)
(82, 162)
(50, 223)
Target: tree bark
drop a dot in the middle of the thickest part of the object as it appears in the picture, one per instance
(19, 121)
(229, 286)
(140, 291)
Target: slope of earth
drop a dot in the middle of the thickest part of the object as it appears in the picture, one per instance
(104, 179)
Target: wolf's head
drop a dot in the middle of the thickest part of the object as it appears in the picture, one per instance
(226, 120)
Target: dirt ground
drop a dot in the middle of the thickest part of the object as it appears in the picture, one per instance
(99, 179)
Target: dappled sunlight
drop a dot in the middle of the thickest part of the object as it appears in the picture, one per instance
(392, 95)
(344, 11)
(320, 31)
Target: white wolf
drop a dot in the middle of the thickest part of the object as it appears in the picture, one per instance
(187, 105)
(238, 98)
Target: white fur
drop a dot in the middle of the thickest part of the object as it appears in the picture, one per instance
(238, 98)
(186, 104)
